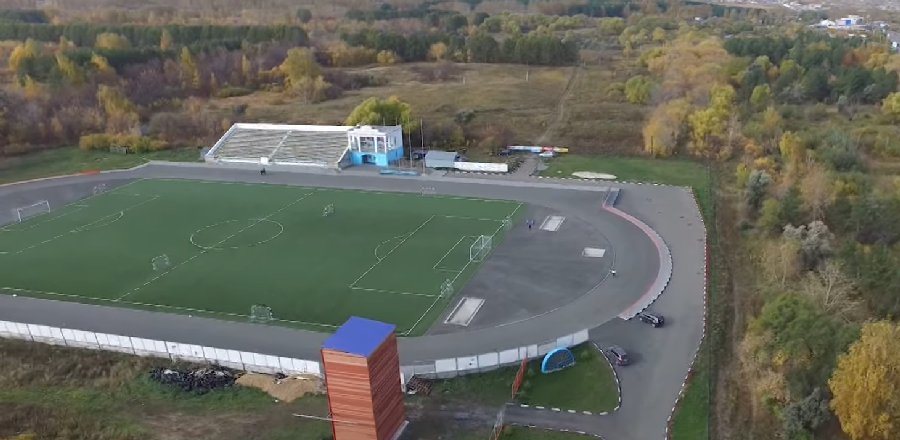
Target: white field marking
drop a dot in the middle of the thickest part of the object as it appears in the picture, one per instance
(435, 267)
(394, 292)
(212, 248)
(317, 188)
(182, 309)
(552, 223)
(438, 298)
(87, 226)
(78, 204)
(204, 251)
(457, 217)
(382, 244)
(408, 236)
(36, 224)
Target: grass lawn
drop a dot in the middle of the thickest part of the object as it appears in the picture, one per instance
(58, 392)
(62, 161)
(691, 420)
(638, 169)
(382, 255)
(588, 385)
(515, 433)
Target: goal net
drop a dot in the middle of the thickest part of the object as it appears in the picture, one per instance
(99, 189)
(447, 289)
(498, 424)
(261, 314)
(329, 209)
(481, 248)
(428, 191)
(160, 263)
(33, 210)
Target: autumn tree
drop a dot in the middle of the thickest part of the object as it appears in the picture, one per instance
(793, 153)
(109, 40)
(866, 384)
(665, 128)
(638, 89)
(190, 73)
(437, 51)
(890, 107)
(299, 63)
(165, 40)
(780, 260)
(761, 96)
(28, 49)
(832, 291)
(69, 69)
(121, 114)
(387, 57)
(377, 111)
(815, 188)
(711, 122)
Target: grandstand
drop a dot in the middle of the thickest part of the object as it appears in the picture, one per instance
(308, 145)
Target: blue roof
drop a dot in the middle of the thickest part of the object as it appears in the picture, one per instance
(359, 336)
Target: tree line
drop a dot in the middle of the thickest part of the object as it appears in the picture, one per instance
(85, 35)
(23, 16)
(531, 48)
(813, 68)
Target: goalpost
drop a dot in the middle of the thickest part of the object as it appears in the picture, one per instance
(260, 313)
(481, 248)
(329, 209)
(160, 263)
(33, 210)
(447, 289)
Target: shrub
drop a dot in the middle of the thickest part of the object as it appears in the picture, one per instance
(231, 92)
(134, 143)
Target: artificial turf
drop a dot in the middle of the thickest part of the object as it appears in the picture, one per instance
(230, 246)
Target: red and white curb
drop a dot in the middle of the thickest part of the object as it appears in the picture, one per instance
(587, 413)
(555, 430)
(690, 373)
(626, 182)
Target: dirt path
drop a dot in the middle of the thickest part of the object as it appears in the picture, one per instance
(560, 108)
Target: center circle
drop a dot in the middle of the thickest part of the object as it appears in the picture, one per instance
(236, 234)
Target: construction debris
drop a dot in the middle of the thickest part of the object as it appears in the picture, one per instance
(198, 381)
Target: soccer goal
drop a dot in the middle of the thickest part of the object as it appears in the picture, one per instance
(329, 209)
(99, 189)
(429, 191)
(260, 313)
(481, 248)
(33, 210)
(160, 263)
(447, 289)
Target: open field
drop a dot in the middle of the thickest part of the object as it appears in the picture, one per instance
(71, 160)
(588, 385)
(496, 93)
(384, 255)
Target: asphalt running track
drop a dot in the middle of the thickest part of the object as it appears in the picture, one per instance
(662, 356)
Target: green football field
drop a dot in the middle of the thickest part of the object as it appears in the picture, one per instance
(218, 249)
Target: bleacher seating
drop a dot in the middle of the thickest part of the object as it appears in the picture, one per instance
(282, 144)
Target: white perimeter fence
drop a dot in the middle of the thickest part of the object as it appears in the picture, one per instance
(262, 363)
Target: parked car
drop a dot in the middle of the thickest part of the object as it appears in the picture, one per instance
(653, 319)
(619, 355)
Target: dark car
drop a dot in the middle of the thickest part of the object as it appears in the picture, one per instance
(618, 354)
(653, 319)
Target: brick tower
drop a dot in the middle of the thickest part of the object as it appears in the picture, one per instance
(362, 378)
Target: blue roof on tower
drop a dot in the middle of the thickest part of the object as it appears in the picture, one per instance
(359, 336)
